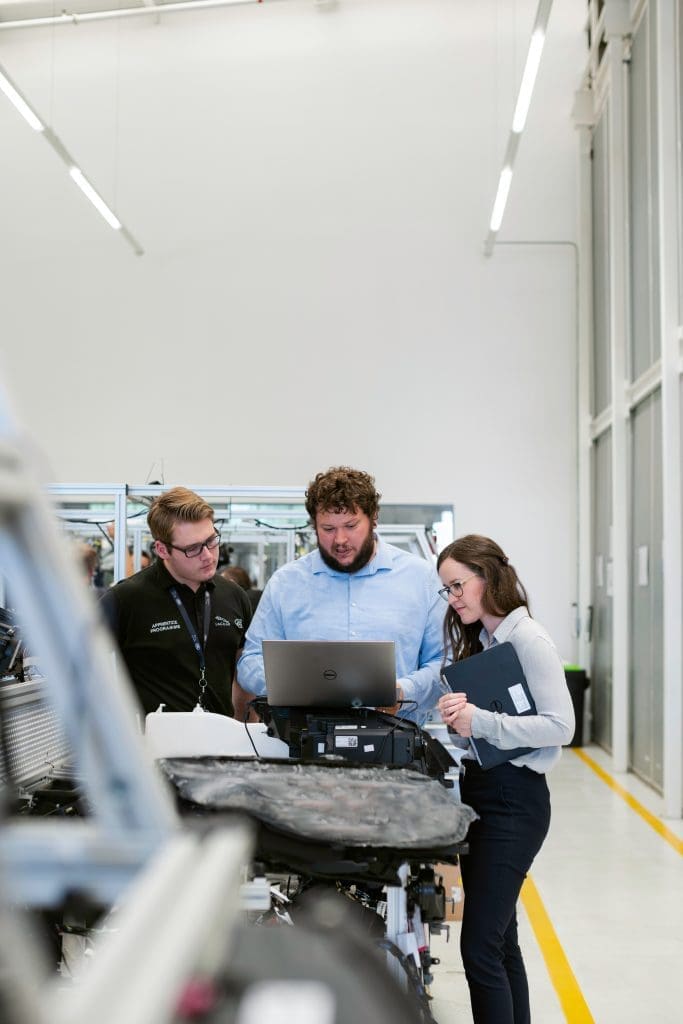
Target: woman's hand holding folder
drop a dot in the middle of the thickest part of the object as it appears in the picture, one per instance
(457, 713)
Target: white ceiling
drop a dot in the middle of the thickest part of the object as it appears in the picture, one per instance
(32, 10)
(312, 185)
(181, 119)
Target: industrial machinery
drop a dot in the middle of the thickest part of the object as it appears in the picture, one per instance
(171, 879)
(368, 832)
(168, 903)
(64, 710)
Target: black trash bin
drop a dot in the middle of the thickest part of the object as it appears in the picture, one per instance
(577, 682)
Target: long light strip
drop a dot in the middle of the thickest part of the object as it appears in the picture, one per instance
(95, 198)
(88, 190)
(72, 18)
(15, 97)
(501, 198)
(526, 90)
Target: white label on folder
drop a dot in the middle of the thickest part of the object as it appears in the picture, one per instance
(368, 747)
(346, 741)
(519, 698)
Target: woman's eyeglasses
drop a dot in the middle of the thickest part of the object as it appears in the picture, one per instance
(455, 588)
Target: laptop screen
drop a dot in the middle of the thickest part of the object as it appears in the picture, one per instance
(330, 673)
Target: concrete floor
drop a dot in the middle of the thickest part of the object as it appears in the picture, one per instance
(612, 890)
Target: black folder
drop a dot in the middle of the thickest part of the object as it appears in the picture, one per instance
(493, 680)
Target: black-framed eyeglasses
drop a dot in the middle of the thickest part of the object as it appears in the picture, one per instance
(455, 588)
(193, 550)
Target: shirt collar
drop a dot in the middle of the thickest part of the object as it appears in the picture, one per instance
(169, 581)
(505, 628)
(381, 560)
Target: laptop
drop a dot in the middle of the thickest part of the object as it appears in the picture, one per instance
(330, 673)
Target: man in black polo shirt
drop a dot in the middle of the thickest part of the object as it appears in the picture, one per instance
(179, 626)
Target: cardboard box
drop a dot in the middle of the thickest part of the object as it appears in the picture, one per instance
(452, 883)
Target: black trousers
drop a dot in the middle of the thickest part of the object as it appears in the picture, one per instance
(513, 805)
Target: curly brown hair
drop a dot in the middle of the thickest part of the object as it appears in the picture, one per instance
(502, 594)
(342, 489)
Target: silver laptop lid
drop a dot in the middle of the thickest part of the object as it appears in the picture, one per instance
(330, 673)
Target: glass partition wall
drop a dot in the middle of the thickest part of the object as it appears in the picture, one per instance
(261, 528)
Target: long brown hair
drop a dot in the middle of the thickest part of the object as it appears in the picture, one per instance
(502, 594)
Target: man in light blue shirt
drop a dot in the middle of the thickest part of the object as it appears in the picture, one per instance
(353, 587)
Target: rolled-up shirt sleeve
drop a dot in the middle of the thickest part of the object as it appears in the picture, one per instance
(553, 723)
(266, 625)
(424, 684)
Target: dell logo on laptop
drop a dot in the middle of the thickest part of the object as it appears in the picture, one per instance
(329, 673)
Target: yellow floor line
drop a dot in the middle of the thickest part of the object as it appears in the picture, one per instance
(646, 815)
(571, 998)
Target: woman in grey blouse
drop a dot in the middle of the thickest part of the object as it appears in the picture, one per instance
(487, 604)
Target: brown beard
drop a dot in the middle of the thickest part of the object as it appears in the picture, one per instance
(366, 552)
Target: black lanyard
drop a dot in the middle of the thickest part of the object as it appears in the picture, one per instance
(199, 648)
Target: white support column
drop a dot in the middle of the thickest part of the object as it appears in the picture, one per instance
(120, 539)
(397, 922)
(137, 550)
(618, 239)
(668, 169)
(583, 117)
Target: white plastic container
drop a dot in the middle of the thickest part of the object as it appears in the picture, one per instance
(201, 733)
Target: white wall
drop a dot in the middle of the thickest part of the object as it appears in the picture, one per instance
(312, 189)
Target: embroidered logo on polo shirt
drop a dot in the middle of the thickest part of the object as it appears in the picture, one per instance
(161, 627)
(220, 620)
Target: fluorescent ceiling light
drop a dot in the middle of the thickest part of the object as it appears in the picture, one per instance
(95, 198)
(13, 94)
(150, 7)
(526, 89)
(20, 103)
(501, 198)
